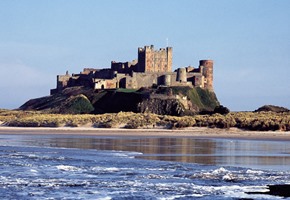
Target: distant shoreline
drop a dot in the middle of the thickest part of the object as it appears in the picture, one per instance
(195, 132)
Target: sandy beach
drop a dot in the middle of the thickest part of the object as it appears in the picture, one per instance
(199, 132)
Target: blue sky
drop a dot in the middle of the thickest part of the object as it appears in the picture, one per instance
(249, 41)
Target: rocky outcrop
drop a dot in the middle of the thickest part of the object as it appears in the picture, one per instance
(64, 102)
(164, 101)
(161, 106)
(272, 108)
(275, 190)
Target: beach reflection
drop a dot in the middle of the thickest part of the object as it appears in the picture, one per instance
(224, 152)
(170, 149)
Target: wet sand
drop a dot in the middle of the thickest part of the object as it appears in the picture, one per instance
(198, 132)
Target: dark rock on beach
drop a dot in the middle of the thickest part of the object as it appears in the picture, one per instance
(272, 108)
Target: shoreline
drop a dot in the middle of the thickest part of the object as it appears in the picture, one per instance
(194, 132)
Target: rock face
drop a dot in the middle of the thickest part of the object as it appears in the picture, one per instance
(161, 106)
(276, 190)
(166, 100)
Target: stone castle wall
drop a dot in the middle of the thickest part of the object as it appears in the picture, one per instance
(153, 68)
(149, 79)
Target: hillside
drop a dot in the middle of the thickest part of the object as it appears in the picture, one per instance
(164, 100)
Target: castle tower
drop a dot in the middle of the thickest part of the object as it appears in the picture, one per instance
(150, 60)
(169, 59)
(207, 72)
(143, 58)
(166, 80)
(181, 75)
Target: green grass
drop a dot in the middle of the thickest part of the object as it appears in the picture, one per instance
(79, 104)
(204, 99)
(207, 98)
(126, 90)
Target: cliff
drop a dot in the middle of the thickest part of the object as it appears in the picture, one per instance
(163, 100)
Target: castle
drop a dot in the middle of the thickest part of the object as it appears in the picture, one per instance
(152, 68)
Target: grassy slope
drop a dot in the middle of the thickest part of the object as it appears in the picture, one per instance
(204, 99)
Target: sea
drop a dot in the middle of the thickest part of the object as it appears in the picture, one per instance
(125, 167)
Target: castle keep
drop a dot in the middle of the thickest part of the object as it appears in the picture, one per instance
(152, 68)
(149, 60)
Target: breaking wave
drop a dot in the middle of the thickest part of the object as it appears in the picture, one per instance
(53, 173)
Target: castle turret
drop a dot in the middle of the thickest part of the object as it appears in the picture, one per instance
(166, 80)
(207, 72)
(181, 75)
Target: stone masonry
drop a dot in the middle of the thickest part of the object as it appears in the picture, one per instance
(152, 68)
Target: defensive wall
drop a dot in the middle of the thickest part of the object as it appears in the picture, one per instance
(153, 68)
